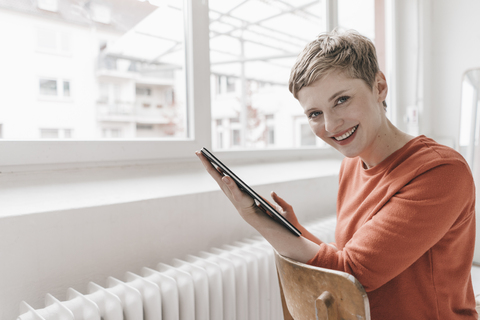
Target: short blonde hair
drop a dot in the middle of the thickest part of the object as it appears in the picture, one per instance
(348, 52)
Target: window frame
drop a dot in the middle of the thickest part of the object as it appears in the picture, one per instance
(19, 155)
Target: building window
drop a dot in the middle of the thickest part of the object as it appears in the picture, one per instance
(66, 88)
(48, 87)
(111, 133)
(169, 97)
(55, 133)
(307, 137)
(67, 133)
(230, 84)
(270, 129)
(103, 93)
(54, 87)
(218, 84)
(235, 137)
(219, 133)
(143, 91)
(146, 127)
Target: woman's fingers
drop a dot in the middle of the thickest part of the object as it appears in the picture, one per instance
(210, 168)
(240, 199)
(282, 203)
(229, 187)
(237, 194)
(285, 208)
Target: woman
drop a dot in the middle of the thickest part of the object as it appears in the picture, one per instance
(406, 205)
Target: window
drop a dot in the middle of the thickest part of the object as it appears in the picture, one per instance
(231, 84)
(115, 72)
(270, 129)
(304, 136)
(55, 133)
(348, 17)
(253, 45)
(307, 138)
(54, 87)
(48, 87)
(111, 133)
(143, 91)
(235, 137)
(66, 88)
(206, 62)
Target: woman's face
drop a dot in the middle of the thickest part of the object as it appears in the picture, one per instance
(346, 113)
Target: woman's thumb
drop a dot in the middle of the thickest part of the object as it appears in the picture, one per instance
(281, 203)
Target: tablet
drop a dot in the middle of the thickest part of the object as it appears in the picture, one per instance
(259, 201)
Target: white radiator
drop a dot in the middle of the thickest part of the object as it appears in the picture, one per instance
(237, 282)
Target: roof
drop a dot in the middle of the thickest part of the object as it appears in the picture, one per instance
(124, 14)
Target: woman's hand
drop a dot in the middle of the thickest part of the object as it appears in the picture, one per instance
(285, 209)
(240, 200)
(287, 244)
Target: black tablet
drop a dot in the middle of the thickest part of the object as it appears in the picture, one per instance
(267, 208)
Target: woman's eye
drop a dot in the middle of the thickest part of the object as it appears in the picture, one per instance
(314, 114)
(342, 100)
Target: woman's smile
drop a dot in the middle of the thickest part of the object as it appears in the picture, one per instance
(345, 137)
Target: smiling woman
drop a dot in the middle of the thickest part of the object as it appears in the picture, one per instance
(405, 206)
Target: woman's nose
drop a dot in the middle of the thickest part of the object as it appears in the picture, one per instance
(332, 122)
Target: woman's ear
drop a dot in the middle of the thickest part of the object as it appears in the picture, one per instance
(381, 87)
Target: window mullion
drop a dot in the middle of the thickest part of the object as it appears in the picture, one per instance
(332, 14)
(198, 71)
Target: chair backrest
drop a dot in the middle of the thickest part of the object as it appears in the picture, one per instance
(317, 293)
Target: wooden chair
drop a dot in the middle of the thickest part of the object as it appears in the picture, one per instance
(319, 294)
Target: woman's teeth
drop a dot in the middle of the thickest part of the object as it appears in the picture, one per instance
(347, 134)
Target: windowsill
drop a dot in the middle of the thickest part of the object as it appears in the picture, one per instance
(45, 191)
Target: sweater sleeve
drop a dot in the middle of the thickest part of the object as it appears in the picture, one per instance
(407, 226)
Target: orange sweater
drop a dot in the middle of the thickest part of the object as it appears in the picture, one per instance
(406, 231)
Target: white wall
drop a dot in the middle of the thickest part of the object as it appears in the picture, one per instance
(455, 48)
(450, 45)
(449, 36)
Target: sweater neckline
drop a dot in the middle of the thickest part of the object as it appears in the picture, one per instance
(388, 160)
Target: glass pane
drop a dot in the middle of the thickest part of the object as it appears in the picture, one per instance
(49, 133)
(357, 15)
(253, 45)
(307, 136)
(48, 87)
(66, 88)
(95, 66)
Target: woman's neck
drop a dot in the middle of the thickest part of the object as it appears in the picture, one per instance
(388, 141)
